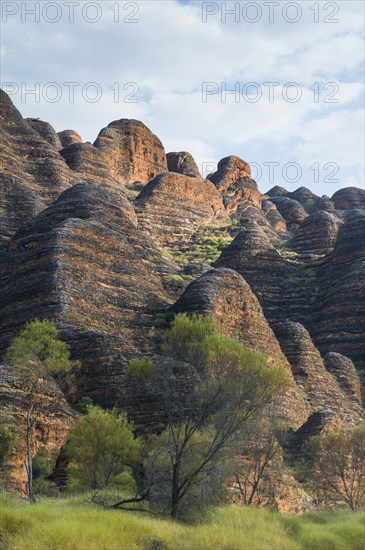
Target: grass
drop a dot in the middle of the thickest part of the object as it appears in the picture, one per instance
(67, 525)
(133, 189)
(205, 247)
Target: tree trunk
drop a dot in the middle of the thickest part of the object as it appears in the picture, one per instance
(29, 462)
(253, 492)
(175, 491)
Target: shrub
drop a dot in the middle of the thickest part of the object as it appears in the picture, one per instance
(84, 404)
(102, 449)
(184, 334)
(141, 368)
(7, 442)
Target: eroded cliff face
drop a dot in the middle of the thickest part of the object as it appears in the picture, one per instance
(226, 297)
(108, 261)
(51, 423)
(32, 172)
(323, 391)
(234, 182)
(316, 236)
(174, 206)
(349, 198)
(339, 323)
(84, 263)
(183, 163)
(132, 151)
(276, 281)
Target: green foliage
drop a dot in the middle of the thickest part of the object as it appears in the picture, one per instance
(7, 442)
(337, 467)
(206, 491)
(141, 368)
(217, 349)
(188, 467)
(331, 530)
(102, 450)
(39, 349)
(84, 404)
(184, 335)
(64, 525)
(205, 246)
(42, 465)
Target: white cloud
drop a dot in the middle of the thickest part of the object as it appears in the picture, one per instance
(170, 52)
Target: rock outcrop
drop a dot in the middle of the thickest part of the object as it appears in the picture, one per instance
(46, 131)
(322, 390)
(247, 213)
(274, 217)
(233, 180)
(349, 198)
(291, 210)
(132, 151)
(104, 239)
(51, 424)
(316, 236)
(76, 263)
(173, 206)
(68, 137)
(310, 202)
(226, 297)
(345, 372)
(277, 191)
(88, 163)
(339, 324)
(183, 163)
(32, 173)
(277, 282)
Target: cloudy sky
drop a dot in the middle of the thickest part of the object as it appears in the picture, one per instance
(295, 69)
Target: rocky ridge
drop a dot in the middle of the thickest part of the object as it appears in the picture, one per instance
(132, 151)
(51, 424)
(107, 262)
(182, 163)
(234, 182)
(32, 172)
(174, 206)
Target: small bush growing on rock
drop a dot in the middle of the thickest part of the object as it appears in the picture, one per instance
(141, 368)
(7, 442)
(84, 404)
(180, 342)
(37, 352)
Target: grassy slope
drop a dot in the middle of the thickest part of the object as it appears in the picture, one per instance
(63, 525)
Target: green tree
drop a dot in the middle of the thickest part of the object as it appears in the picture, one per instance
(337, 467)
(7, 442)
(37, 352)
(102, 450)
(227, 386)
(261, 449)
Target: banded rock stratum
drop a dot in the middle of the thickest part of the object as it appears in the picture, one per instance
(111, 239)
